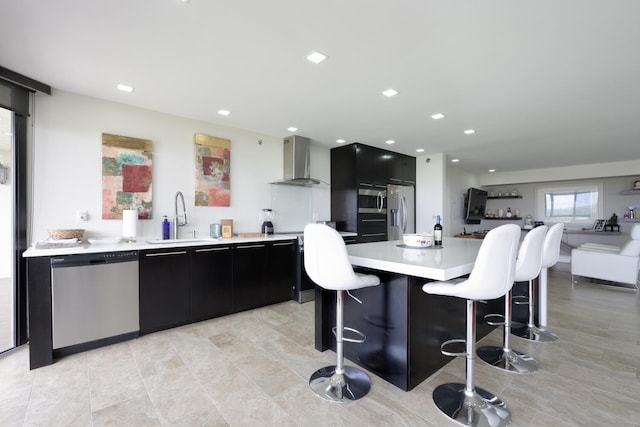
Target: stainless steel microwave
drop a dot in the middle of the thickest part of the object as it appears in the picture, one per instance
(372, 200)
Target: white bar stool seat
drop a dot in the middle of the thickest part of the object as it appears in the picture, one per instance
(327, 263)
(527, 268)
(530, 331)
(492, 277)
(550, 257)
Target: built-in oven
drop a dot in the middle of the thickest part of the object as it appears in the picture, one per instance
(372, 200)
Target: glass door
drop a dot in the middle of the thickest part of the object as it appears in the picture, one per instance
(7, 224)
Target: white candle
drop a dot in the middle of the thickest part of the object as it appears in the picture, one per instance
(129, 223)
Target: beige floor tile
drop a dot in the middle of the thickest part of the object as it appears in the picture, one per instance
(253, 368)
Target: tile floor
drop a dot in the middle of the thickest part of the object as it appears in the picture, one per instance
(252, 368)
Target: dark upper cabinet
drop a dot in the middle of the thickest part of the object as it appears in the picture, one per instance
(164, 289)
(401, 169)
(211, 282)
(371, 166)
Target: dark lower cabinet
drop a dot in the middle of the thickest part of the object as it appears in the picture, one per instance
(263, 274)
(249, 276)
(211, 282)
(281, 271)
(164, 289)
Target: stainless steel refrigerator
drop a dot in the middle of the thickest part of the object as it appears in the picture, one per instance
(401, 211)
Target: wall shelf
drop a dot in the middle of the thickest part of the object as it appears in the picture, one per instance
(509, 197)
(628, 219)
(630, 192)
(504, 218)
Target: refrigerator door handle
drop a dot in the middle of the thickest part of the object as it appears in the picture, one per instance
(403, 205)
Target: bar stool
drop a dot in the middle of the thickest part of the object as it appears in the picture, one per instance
(527, 268)
(550, 256)
(492, 276)
(327, 263)
(530, 331)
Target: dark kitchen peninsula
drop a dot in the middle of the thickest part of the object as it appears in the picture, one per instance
(404, 326)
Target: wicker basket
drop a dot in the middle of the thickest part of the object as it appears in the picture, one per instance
(66, 233)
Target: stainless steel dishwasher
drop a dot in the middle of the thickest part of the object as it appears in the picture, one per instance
(95, 299)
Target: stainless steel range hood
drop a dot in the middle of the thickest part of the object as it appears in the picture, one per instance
(296, 156)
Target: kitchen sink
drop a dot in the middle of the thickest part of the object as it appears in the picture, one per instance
(161, 241)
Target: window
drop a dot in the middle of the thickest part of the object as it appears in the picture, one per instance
(572, 204)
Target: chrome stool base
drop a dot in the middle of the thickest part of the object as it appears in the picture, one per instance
(351, 385)
(510, 360)
(480, 408)
(533, 333)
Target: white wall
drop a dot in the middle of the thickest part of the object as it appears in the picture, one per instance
(430, 196)
(67, 169)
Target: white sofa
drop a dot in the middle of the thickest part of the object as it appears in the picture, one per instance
(607, 262)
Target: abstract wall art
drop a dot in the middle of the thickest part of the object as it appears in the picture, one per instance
(126, 176)
(213, 170)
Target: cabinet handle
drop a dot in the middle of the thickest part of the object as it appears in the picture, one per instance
(166, 253)
(410, 182)
(374, 220)
(250, 246)
(226, 248)
(395, 179)
(364, 184)
(283, 244)
(381, 186)
(372, 235)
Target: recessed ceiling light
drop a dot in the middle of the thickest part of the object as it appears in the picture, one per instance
(390, 141)
(292, 129)
(455, 160)
(420, 150)
(184, 1)
(469, 131)
(492, 170)
(340, 141)
(124, 88)
(390, 92)
(316, 57)
(224, 112)
(437, 116)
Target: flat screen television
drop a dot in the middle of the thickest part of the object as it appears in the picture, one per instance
(475, 205)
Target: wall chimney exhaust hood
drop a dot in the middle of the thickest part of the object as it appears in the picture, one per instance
(296, 156)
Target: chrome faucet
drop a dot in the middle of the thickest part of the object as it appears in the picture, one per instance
(179, 220)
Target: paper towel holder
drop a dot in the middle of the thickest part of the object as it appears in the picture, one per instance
(129, 225)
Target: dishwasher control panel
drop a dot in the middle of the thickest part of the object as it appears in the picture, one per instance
(92, 259)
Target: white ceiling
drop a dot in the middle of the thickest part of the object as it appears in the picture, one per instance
(544, 83)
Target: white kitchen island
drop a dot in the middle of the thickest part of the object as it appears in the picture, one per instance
(453, 259)
(404, 326)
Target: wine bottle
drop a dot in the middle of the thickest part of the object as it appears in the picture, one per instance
(437, 232)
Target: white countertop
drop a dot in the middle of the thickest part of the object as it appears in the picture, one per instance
(142, 244)
(456, 258)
